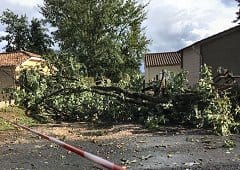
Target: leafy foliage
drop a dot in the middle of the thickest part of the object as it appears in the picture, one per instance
(106, 44)
(70, 98)
(95, 76)
(177, 83)
(202, 106)
(105, 36)
(219, 110)
(219, 115)
(38, 40)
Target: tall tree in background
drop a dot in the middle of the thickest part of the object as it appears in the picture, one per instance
(39, 40)
(17, 31)
(106, 36)
(24, 36)
(238, 13)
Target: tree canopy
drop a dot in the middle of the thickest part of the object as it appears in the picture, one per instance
(24, 36)
(106, 36)
(39, 40)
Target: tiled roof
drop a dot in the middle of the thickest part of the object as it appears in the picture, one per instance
(15, 58)
(162, 59)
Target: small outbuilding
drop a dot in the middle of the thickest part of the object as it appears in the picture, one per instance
(12, 62)
(155, 63)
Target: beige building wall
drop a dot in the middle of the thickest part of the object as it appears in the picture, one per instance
(32, 63)
(151, 72)
(191, 60)
(29, 63)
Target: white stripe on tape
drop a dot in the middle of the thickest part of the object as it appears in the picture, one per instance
(56, 141)
(97, 159)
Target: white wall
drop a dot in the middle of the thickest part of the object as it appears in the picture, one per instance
(151, 72)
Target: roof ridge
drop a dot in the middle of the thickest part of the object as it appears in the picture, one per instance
(20, 51)
(10, 52)
(163, 52)
(28, 53)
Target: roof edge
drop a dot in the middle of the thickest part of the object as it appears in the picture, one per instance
(21, 51)
(164, 65)
(162, 52)
(212, 37)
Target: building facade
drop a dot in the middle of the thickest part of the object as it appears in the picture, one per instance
(11, 64)
(220, 50)
(155, 63)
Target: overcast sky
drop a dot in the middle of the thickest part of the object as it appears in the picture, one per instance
(170, 24)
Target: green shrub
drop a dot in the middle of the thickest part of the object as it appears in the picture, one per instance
(200, 106)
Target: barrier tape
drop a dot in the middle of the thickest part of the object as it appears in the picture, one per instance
(103, 162)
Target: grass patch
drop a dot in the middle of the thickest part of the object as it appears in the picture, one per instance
(17, 115)
(5, 126)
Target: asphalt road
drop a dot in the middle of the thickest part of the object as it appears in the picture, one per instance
(169, 148)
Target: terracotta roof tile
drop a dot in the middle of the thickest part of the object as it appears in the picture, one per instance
(162, 59)
(15, 58)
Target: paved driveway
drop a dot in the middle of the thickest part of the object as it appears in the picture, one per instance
(132, 146)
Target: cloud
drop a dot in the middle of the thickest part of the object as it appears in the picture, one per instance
(22, 7)
(171, 24)
(26, 3)
(174, 24)
(228, 2)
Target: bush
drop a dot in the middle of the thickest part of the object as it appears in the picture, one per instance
(218, 110)
(201, 106)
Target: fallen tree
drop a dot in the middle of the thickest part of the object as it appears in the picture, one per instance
(79, 98)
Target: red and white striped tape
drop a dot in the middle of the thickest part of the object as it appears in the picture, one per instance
(103, 162)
